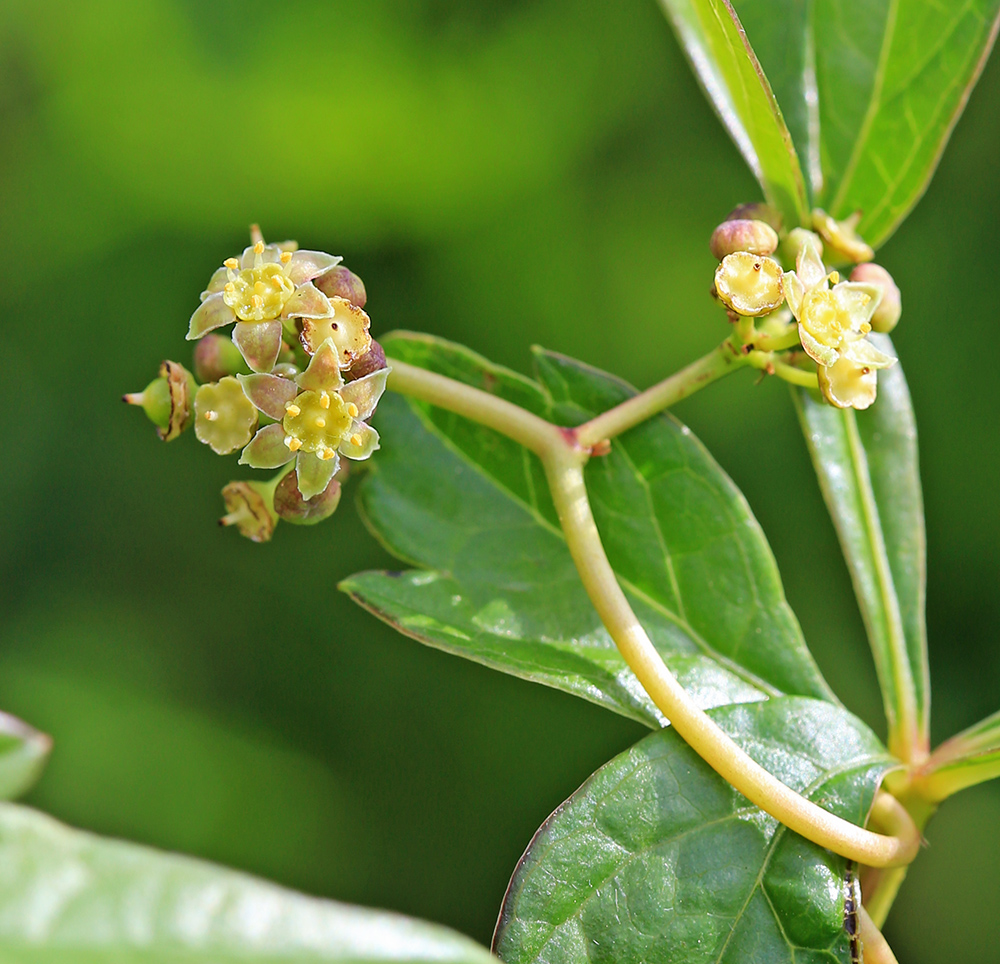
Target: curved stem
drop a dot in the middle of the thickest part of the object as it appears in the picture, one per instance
(875, 947)
(534, 433)
(563, 453)
(726, 358)
(693, 724)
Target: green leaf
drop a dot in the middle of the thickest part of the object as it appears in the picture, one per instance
(24, 751)
(657, 858)
(971, 757)
(868, 470)
(66, 895)
(871, 90)
(725, 63)
(473, 508)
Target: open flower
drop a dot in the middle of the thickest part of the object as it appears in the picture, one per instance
(833, 324)
(268, 291)
(318, 418)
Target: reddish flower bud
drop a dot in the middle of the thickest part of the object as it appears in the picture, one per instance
(341, 282)
(890, 307)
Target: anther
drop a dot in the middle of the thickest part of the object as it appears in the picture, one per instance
(286, 256)
(231, 263)
(211, 416)
(230, 288)
(292, 409)
(295, 444)
(256, 301)
(258, 247)
(834, 277)
(352, 410)
(356, 440)
(327, 454)
(321, 423)
(324, 400)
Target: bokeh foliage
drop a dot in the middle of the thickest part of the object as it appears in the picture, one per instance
(500, 174)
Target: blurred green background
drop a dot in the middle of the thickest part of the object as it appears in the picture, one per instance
(500, 173)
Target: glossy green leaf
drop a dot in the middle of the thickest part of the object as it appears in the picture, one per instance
(24, 751)
(869, 473)
(971, 757)
(497, 584)
(657, 858)
(69, 896)
(871, 90)
(720, 54)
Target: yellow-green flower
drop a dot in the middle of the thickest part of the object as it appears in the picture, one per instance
(834, 321)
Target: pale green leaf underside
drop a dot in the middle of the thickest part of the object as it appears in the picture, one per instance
(24, 752)
(498, 585)
(871, 90)
(657, 858)
(715, 44)
(69, 896)
(887, 462)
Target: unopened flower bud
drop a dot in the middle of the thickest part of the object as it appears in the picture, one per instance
(843, 245)
(215, 356)
(887, 313)
(756, 212)
(756, 237)
(249, 506)
(372, 361)
(341, 282)
(224, 418)
(796, 239)
(292, 507)
(749, 284)
(166, 400)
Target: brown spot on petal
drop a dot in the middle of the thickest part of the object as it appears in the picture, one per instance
(179, 386)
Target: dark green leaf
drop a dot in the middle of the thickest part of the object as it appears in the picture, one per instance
(474, 509)
(871, 90)
(882, 535)
(714, 41)
(24, 752)
(68, 896)
(657, 858)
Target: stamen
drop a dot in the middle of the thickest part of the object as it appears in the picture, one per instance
(258, 250)
(286, 256)
(211, 415)
(321, 423)
(230, 288)
(834, 277)
(292, 409)
(352, 410)
(231, 263)
(256, 301)
(295, 444)
(356, 440)
(327, 454)
(324, 400)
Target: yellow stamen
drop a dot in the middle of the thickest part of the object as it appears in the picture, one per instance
(295, 444)
(258, 247)
(230, 288)
(256, 301)
(231, 263)
(211, 416)
(292, 409)
(321, 423)
(327, 454)
(352, 410)
(356, 440)
(324, 400)
(834, 277)
(286, 256)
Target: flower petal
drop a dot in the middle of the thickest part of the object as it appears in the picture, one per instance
(313, 474)
(217, 282)
(323, 373)
(365, 392)
(816, 350)
(863, 352)
(848, 385)
(269, 393)
(795, 291)
(212, 313)
(267, 449)
(306, 265)
(259, 343)
(224, 418)
(859, 300)
(360, 444)
(809, 265)
(272, 252)
(347, 327)
(307, 301)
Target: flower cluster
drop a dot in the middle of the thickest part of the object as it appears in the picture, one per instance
(827, 318)
(293, 388)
